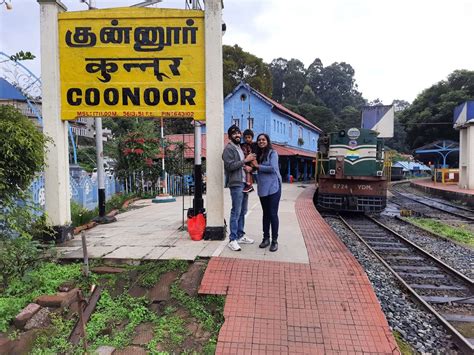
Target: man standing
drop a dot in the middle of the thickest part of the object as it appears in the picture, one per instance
(235, 168)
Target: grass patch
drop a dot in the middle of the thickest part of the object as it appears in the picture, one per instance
(54, 340)
(405, 348)
(211, 321)
(150, 273)
(181, 325)
(169, 332)
(455, 233)
(44, 280)
(114, 320)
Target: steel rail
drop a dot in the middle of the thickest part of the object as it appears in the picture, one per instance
(458, 338)
(396, 193)
(462, 208)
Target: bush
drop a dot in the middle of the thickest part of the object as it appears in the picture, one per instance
(81, 215)
(16, 256)
(22, 155)
(22, 152)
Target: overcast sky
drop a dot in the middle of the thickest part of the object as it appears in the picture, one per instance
(397, 48)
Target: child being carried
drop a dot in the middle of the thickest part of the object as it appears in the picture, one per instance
(249, 147)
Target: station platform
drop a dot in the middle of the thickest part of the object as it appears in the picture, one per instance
(448, 191)
(324, 307)
(309, 297)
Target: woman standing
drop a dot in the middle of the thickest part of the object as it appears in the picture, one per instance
(269, 189)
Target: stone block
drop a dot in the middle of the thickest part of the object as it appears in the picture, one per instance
(104, 350)
(60, 299)
(161, 291)
(6, 345)
(131, 350)
(25, 315)
(191, 279)
(39, 320)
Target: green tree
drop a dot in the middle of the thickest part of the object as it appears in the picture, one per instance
(349, 117)
(335, 85)
(430, 116)
(22, 152)
(243, 66)
(294, 81)
(22, 155)
(320, 116)
(278, 69)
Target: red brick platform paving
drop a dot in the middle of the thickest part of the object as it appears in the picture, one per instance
(326, 307)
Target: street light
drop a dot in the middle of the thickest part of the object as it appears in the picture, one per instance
(8, 4)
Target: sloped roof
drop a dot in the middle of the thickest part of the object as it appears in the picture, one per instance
(9, 92)
(409, 166)
(189, 150)
(277, 106)
(439, 145)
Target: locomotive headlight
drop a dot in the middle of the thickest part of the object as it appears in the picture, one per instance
(379, 173)
(332, 172)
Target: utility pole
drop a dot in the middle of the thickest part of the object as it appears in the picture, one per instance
(99, 145)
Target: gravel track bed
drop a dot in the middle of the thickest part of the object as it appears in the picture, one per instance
(417, 327)
(459, 257)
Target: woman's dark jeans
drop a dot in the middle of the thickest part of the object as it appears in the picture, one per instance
(270, 205)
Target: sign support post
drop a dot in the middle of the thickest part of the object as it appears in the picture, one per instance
(56, 172)
(215, 228)
(197, 202)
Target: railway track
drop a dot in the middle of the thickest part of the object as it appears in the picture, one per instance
(460, 212)
(446, 293)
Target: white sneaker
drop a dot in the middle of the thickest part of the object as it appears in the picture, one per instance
(234, 246)
(245, 240)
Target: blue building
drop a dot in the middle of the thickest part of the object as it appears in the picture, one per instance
(293, 136)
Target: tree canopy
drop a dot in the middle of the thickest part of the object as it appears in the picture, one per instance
(328, 96)
(430, 116)
(243, 66)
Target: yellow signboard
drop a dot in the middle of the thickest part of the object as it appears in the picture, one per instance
(132, 62)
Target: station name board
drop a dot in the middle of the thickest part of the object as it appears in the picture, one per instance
(132, 62)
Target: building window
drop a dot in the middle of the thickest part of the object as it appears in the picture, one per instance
(284, 128)
(314, 142)
(250, 122)
(300, 132)
(236, 121)
(290, 130)
(274, 125)
(309, 137)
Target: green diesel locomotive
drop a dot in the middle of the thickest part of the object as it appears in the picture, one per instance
(350, 172)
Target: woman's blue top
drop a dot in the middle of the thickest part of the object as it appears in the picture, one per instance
(268, 177)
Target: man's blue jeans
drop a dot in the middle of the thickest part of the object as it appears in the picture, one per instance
(237, 213)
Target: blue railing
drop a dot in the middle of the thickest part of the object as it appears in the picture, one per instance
(84, 190)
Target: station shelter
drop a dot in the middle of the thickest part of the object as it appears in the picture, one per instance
(439, 154)
(410, 169)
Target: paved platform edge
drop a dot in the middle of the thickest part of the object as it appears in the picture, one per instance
(446, 192)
